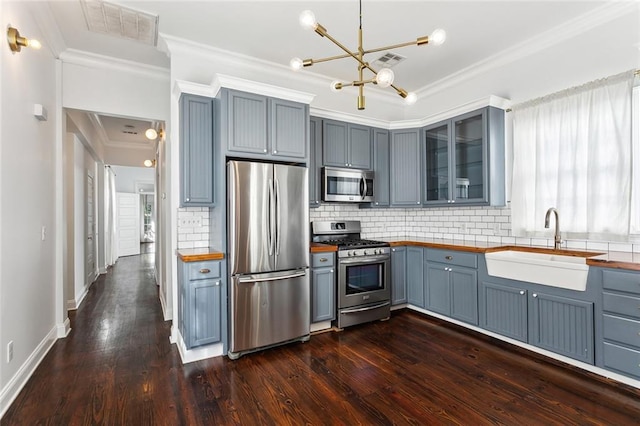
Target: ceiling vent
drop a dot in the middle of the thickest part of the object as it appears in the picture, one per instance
(388, 60)
(112, 19)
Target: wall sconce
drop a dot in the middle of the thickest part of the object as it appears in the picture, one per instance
(149, 163)
(152, 134)
(17, 42)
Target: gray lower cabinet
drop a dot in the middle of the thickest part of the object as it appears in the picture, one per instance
(203, 301)
(562, 325)
(398, 275)
(451, 288)
(346, 145)
(257, 126)
(315, 161)
(620, 321)
(415, 276)
(503, 310)
(196, 151)
(323, 287)
(405, 178)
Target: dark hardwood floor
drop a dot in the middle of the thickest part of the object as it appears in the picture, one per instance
(117, 367)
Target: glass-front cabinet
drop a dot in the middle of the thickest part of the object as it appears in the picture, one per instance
(464, 159)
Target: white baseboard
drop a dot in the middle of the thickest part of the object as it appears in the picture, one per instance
(64, 329)
(197, 354)
(167, 311)
(11, 390)
(320, 326)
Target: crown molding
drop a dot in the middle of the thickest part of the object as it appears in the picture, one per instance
(351, 118)
(181, 86)
(52, 37)
(565, 31)
(93, 60)
(229, 82)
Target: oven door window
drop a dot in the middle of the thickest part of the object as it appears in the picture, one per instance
(364, 278)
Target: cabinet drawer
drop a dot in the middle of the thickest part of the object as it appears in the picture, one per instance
(203, 270)
(621, 281)
(619, 304)
(452, 257)
(622, 330)
(622, 359)
(322, 260)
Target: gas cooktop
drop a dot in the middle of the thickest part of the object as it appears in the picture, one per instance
(351, 243)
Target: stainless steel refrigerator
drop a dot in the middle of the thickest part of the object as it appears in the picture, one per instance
(268, 255)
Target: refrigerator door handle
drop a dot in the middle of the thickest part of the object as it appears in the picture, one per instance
(271, 277)
(278, 217)
(271, 230)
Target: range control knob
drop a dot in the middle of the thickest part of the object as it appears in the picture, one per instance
(354, 253)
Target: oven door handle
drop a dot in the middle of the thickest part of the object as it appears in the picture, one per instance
(360, 260)
(366, 308)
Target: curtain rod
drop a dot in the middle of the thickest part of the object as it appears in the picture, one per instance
(636, 72)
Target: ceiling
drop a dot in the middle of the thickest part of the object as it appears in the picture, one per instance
(477, 32)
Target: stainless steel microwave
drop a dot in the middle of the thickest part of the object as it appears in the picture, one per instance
(347, 185)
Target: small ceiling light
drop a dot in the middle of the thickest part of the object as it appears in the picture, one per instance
(149, 163)
(152, 134)
(17, 42)
(384, 78)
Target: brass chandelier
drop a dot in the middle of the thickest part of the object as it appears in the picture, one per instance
(383, 78)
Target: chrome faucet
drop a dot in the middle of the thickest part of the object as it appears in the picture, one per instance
(556, 236)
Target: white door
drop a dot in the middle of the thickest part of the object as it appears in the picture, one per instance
(91, 232)
(128, 226)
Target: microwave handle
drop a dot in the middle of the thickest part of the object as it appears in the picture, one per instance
(363, 188)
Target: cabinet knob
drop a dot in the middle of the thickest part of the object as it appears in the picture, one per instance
(331, 271)
(264, 150)
(188, 199)
(535, 295)
(205, 270)
(453, 201)
(275, 152)
(521, 292)
(395, 250)
(417, 202)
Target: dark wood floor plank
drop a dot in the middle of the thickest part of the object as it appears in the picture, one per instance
(117, 367)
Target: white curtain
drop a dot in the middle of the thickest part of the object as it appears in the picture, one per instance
(111, 248)
(572, 150)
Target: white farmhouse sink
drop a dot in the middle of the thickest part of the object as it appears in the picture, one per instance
(554, 270)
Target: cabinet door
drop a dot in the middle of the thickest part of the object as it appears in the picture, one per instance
(562, 325)
(315, 159)
(437, 164)
(334, 143)
(405, 168)
(247, 122)
(504, 310)
(323, 295)
(398, 275)
(288, 128)
(469, 150)
(415, 277)
(381, 167)
(205, 312)
(464, 294)
(196, 151)
(359, 147)
(438, 293)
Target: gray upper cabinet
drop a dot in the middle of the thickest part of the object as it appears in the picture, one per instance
(346, 145)
(398, 275)
(315, 161)
(405, 154)
(197, 151)
(464, 160)
(381, 168)
(259, 127)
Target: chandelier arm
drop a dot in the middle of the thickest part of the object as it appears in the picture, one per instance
(330, 58)
(393, 46)
(324, 33)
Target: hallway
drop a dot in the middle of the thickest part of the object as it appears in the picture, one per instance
(117, 367)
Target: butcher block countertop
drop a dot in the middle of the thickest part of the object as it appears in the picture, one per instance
(322, 248)
(199, 254)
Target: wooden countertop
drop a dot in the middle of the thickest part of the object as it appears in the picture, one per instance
(199, 254)
(322, 248)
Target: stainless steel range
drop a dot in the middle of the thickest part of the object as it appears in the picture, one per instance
(363, 285)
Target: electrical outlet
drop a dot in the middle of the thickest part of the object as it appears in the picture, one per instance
(191, 222)
(9, 351)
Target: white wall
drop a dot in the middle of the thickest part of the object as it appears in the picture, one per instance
(27, 203)
(126, 177)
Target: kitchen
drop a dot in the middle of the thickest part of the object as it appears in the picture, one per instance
(394, 221)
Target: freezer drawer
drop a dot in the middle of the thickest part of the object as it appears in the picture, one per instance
(268, 309)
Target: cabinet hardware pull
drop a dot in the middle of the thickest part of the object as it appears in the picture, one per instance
(323, 259)
(205, 270)
(188, 199)
(217, 283)
(521, 292)
(535, 295)
(448, 257)
(331, 271)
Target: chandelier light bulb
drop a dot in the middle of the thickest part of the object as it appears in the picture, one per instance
(335, 86)
(438, 37)
(34, 44)
(385, 77)
(151, 134)
(308, 20)
(296, 64)
(411, 98)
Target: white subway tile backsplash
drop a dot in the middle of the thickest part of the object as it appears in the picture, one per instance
(576, 245)
(597, 246)
(621, 247)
